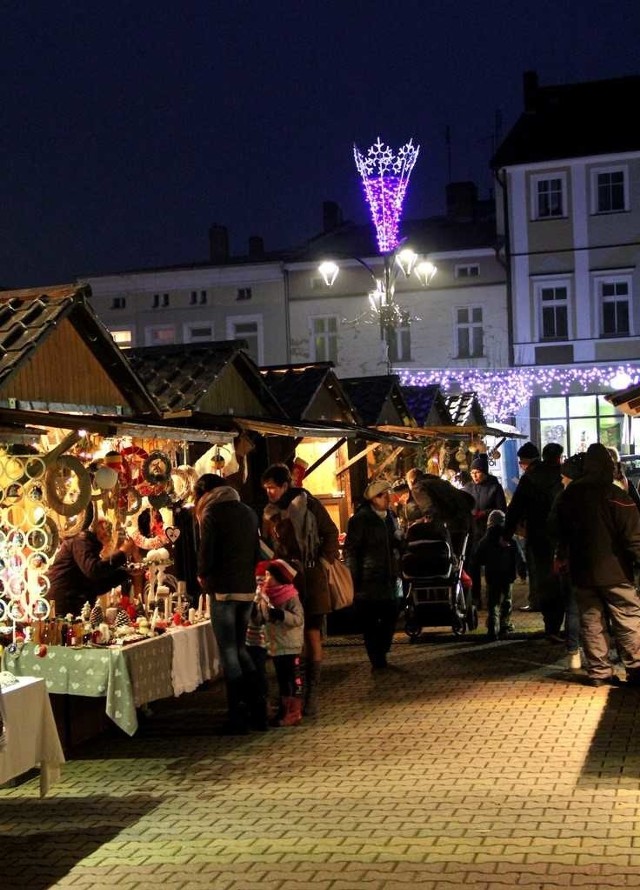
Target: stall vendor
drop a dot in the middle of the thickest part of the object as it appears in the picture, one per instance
(78, 574)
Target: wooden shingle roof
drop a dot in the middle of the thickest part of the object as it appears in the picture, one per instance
(310, 392)
(376, 397)
(55, 351)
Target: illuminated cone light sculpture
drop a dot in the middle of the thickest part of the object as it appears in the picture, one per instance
(385, 178)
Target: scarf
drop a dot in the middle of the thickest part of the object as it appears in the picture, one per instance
(280, 593)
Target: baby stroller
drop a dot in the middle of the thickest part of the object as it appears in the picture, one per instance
(432, 573)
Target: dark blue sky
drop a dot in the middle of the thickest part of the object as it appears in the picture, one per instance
(127, 128)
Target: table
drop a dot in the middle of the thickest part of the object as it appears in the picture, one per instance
(32, 737)
(126, 676)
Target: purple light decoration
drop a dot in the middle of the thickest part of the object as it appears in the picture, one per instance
(502, 393)
(385, 178)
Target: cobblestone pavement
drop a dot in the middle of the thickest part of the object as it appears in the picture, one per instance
(466, 764)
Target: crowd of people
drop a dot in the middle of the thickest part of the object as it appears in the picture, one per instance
(571, 527)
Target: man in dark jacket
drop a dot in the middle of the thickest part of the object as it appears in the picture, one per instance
(372, 551)
(228, 553)
(488, 495)
(529, 510)
(599, 536)
(78, 573)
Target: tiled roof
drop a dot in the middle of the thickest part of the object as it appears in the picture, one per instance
(573, 121)
(427, 404)
(296, 386)
(26, 318)
(179, 376)
(370, 395)
(29, 316)
(465, 409)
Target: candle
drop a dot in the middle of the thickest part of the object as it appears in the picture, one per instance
(192, 616)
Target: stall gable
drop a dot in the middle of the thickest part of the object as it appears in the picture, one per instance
(310, 392)
(229, 393)
(379, 400)
(62, 371)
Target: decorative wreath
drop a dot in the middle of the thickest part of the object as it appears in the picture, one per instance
(134, 457)
(157, 468)
(54, 481)
(140, 540)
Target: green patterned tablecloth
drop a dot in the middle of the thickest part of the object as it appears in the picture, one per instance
(90, 672)
(127, 676)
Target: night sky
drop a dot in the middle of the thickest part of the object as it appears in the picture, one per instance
(128, 128)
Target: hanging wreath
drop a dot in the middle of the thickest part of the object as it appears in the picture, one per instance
(144, 542)
(134, 459)
(56, 486)
(157, 468)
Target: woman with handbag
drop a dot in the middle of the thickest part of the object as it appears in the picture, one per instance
(371, 552)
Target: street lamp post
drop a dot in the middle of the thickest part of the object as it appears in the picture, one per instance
(385, 178)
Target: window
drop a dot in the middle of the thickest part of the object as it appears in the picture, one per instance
(249, 328)
(614, 302)
(472, 271)
(198, 299)
(198, 332)
(609, 191)
(159, 335)
(160, 300)
(244, 293)
(469, 332)
(578, 421)
(119, 303)
(324, 339)
(548, 197)
(123, 338)
(554, 313)
(400, 342)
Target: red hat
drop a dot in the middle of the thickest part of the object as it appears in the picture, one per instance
(281, 571)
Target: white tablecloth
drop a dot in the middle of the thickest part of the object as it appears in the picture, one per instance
(32, 737)
(195, 657)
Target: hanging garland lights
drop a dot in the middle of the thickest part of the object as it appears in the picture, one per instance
(502, 393)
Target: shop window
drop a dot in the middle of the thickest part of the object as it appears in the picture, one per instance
(198, 332)
(159, 335)
(123, 338)
(578, 421)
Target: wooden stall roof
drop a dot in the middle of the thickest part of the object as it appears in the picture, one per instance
(464, 409)
(627, 400)
(25, 424)
(448, 431)
(379, 399)
(56, 354)
(427, 405)
(207, 378)
(310, 392)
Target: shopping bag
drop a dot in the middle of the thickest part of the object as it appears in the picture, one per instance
(340, 583)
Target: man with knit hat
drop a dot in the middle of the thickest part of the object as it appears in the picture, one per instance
(488, 495)
(529, 510)
(372, 552)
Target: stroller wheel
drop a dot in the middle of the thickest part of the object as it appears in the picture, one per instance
(472, 617)
(412, 630)
(459, 625)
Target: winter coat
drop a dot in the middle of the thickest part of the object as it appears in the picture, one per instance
(488, 495)
(285, 637)
(79, 574)
(300, 530)
(598, 526)
(531, 503)
(371, 553)
(502, 560)
(229, 544)
(435, 496)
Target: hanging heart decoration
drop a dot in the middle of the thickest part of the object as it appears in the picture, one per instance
(172, 533)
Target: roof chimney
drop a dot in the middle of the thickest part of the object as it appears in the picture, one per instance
(462, 198)
(530, 90)
(331, 216)
(218, 244)
(256, 248)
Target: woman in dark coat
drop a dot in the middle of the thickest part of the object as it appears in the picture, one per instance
(372, 550)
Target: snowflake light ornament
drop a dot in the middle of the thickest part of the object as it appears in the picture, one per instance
(385, 178)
